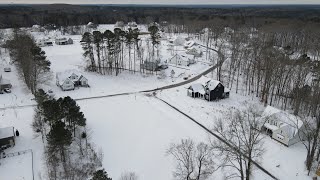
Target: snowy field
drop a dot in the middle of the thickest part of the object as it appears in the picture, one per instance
(16, 167)
(133, 131)
(289, 159)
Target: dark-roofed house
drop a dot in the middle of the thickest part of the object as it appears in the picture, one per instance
(214, 90)
(7, 137)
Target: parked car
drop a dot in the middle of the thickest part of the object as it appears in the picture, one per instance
(7, 69)
(1, 92)
(7, 90)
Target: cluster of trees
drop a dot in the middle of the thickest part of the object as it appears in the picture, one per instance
(106, 52)
(279, 64)
(30, 60)
(62, 126)
(67, 15)
(241, 146)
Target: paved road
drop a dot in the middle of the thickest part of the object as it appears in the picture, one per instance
(220, 139)
(128, 93)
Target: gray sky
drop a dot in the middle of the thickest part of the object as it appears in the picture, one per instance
(161, 1)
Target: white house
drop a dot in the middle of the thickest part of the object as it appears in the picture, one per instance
(194, 51)
(132, 25)
(119, 24)
(179, 61)
(70, 79)
(281, 126)
(44, 42)
(189, 44)
(196, 90)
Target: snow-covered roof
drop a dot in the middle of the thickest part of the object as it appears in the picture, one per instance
(203, 80)
(62, 76)
(198, 87)
(6, 132)
(189, 44)
(4, 81)
(212, 84)
(90, 23)
(287, 122)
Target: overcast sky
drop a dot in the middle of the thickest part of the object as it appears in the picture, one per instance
(161, 1)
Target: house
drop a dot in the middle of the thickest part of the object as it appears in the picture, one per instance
(7, 137)
(4, 83)
(61, 41)
(132, 25)
(189, 44)
(44, 42)
(195, 52)
(281, 126)
(196, 91)
(214, 90)
(70, 79)
(92, 25)
(70, 41)
(35, 28)
(179, 41)
(178, 60)
(119, 24)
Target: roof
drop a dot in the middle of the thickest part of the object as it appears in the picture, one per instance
(198, 87)
(6, 132)
(288, 122)
(212, 84)
(4, 81)
(63, 76)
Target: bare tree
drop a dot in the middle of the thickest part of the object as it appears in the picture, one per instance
(240, 129)
(194, 162)
(129, 176)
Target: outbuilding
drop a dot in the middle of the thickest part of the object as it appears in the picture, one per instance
(7, 137)
(4, 83)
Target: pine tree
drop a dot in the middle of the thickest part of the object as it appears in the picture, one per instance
(87, 41)
(59, 138)
(100, 175)
(98, 40)
(40, 66)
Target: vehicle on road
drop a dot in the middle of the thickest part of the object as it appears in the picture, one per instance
(7, 90)
(7, 69)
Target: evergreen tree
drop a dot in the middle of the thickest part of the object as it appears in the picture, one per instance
(40, 66)
(87, 41)
(110, 39)
(98, 40)
(52, 112)
(100, 175)
(59, 138)
(154, 33)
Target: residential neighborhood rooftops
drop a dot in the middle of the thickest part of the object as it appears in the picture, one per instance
(6, 132)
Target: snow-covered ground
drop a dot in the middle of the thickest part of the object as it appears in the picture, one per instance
(11, 165)
(134, 131)
(291, 159)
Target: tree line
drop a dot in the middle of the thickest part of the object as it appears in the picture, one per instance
(69, 154)
(105, 52)
(31, 62)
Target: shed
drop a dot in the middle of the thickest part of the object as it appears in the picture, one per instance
(195, 52)
(70, 41)
(179, 41)
(61, 41)
(7, 137)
